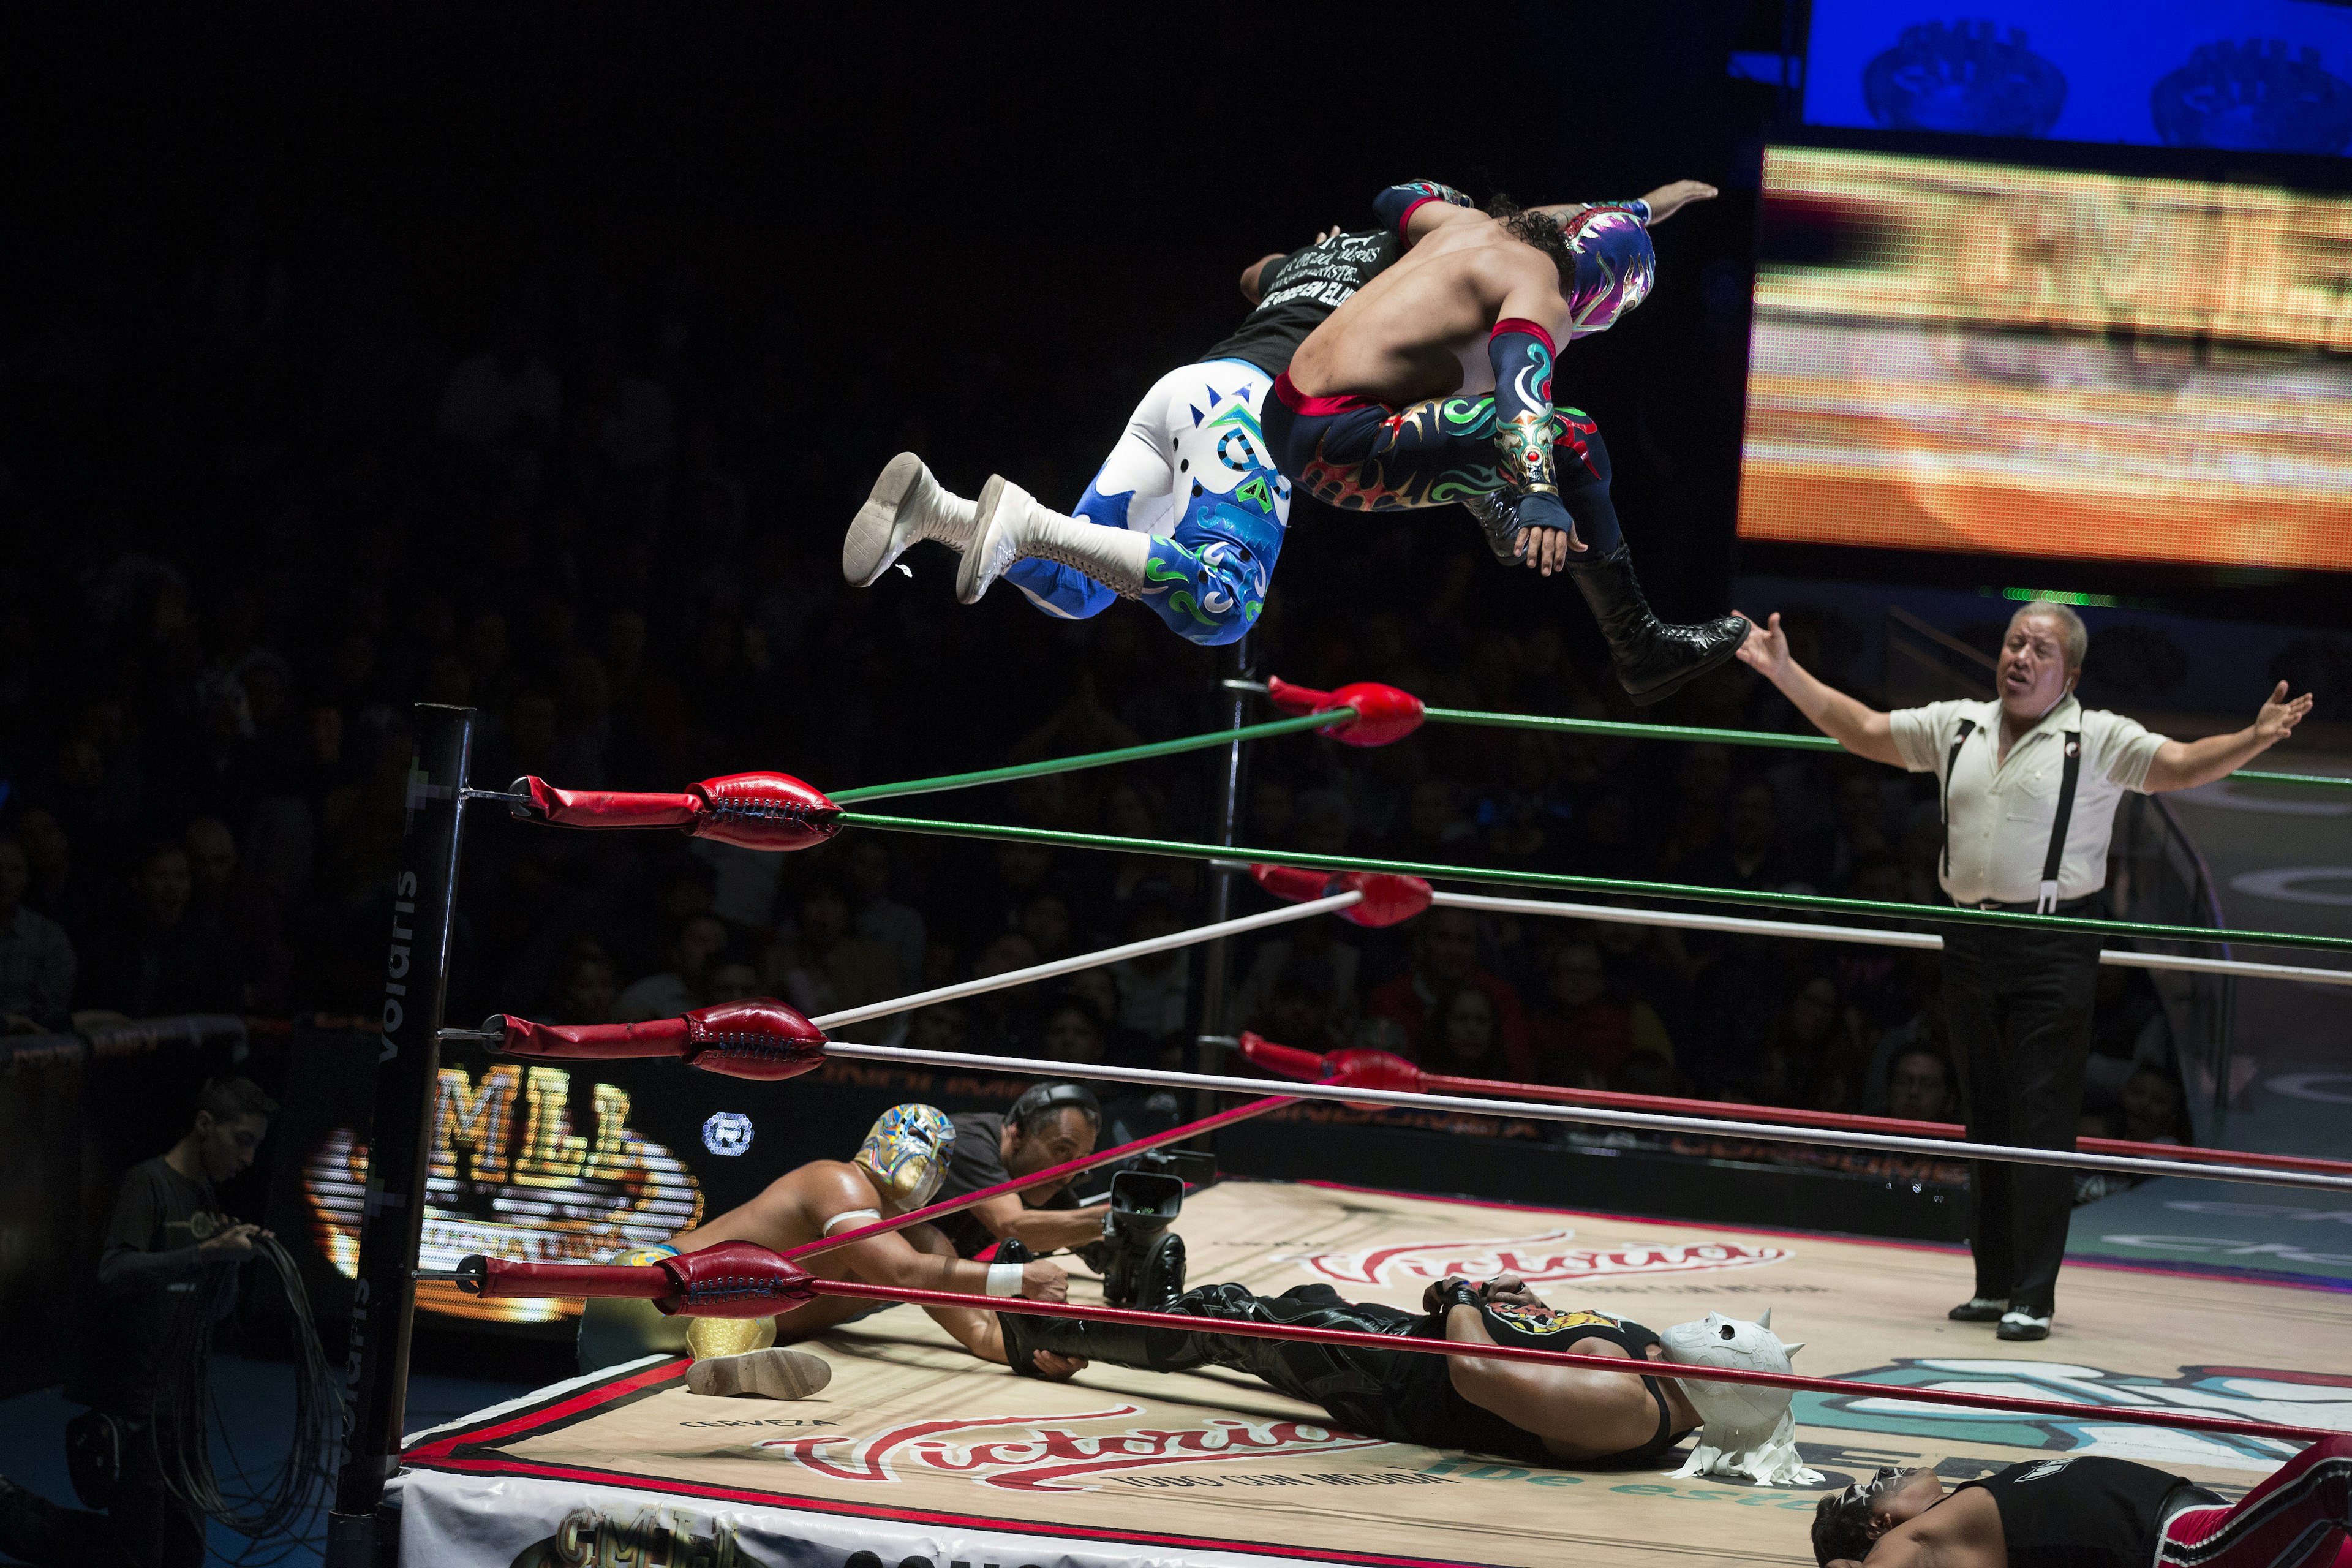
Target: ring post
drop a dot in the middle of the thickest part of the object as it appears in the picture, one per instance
(416, 969)
(1208, 1051)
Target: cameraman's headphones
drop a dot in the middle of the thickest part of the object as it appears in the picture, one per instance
(1040, 1097)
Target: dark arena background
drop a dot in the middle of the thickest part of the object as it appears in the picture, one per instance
(397, 404)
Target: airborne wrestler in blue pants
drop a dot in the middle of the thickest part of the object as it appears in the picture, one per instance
(1189, 510)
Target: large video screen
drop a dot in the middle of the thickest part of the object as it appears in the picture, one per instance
(1999, 359)
(2239, 76)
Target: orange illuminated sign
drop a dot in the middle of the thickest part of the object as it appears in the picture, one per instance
(511, 1178)
(1998, 360)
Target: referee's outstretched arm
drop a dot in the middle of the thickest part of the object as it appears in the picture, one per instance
(2185, 764)
(1859, 728)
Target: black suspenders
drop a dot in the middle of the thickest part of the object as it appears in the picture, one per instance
(2048, 902)
(2056, 855)
(1968, 728)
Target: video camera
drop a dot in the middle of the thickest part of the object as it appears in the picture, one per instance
(1141, 1261)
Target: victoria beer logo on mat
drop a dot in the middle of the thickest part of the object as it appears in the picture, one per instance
(1047, 1454)
(1534, 1259)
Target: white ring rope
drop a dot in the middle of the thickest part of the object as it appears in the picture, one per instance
(1012, 977)
(1642, 1121)
(1925, 942)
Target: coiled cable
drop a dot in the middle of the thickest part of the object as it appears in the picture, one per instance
(281, 1504)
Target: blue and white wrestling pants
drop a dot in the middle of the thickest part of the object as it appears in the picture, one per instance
(1194, 472)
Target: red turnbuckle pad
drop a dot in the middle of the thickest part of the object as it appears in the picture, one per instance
(757, 1038)
(1355, 1069)
(1383, 714)
(734, 1279)
(1388, 897)
(753, 811)
(764, 811)
(760, 1038)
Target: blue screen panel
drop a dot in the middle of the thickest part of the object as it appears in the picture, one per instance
(2271, 76)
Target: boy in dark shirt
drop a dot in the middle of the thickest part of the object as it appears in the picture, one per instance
(166, 1231)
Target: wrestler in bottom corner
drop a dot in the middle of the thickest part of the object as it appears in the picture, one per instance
(1189, 510)
(898, 1169)
(2088, 1511)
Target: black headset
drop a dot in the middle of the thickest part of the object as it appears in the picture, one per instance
(1040, 1097)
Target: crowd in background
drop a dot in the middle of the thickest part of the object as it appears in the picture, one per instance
(267, 502)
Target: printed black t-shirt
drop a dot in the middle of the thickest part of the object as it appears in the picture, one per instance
(1297, 294)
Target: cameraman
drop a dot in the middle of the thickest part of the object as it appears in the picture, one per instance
(166, 1231)
(1050, 1124)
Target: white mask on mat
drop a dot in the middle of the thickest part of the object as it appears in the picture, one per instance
(1750, 1429)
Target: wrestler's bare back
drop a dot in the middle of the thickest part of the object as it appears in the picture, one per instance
(1419, 329)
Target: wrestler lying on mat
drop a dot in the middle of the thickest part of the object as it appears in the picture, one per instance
(1514, 1410)
(2093, 1512)
(898, 1169)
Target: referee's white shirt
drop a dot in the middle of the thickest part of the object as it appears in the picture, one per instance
(2002, 812)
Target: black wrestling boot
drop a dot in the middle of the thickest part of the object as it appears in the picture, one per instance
(1161, 1279)
(1655, 659)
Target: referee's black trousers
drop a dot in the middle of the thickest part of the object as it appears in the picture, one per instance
(2019, 1004)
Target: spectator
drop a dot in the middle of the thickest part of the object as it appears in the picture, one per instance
(734, 982)
(1073, 1033)
(1462, 1036)
(882, 920)
(591, 991)
(1579, 1031)
(36, 958)
(1919, 1086)
(165, 957)
(1812, 1057)
(1045, 922)
(1308, 957)
(243, 910)
(683, 987)
(53, 889)
(937, 1027)
(1153, 991)
(2031, 783)
(1444, 957)
(826, 967)
(2154, 1108)
(1002, 1021)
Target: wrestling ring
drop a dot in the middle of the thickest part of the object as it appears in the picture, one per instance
(917, 1453)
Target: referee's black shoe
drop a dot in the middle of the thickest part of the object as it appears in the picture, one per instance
(2023, 1325)
(1977, 1309)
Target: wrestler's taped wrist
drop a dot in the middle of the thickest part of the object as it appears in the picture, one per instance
(1461, 1293)
(1004, 1278)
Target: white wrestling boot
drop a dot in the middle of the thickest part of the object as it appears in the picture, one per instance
(764, 1374)
(906, 505)
(1013, 527)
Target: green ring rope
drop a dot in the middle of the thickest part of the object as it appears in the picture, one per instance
(1268, 730)
(1751, 738)
(1094, 759)
(1557, 879)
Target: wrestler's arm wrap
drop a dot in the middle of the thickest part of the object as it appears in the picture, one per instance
(1394, 206)
(1521, 353)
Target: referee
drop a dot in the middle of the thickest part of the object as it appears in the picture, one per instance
(2029, 785)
